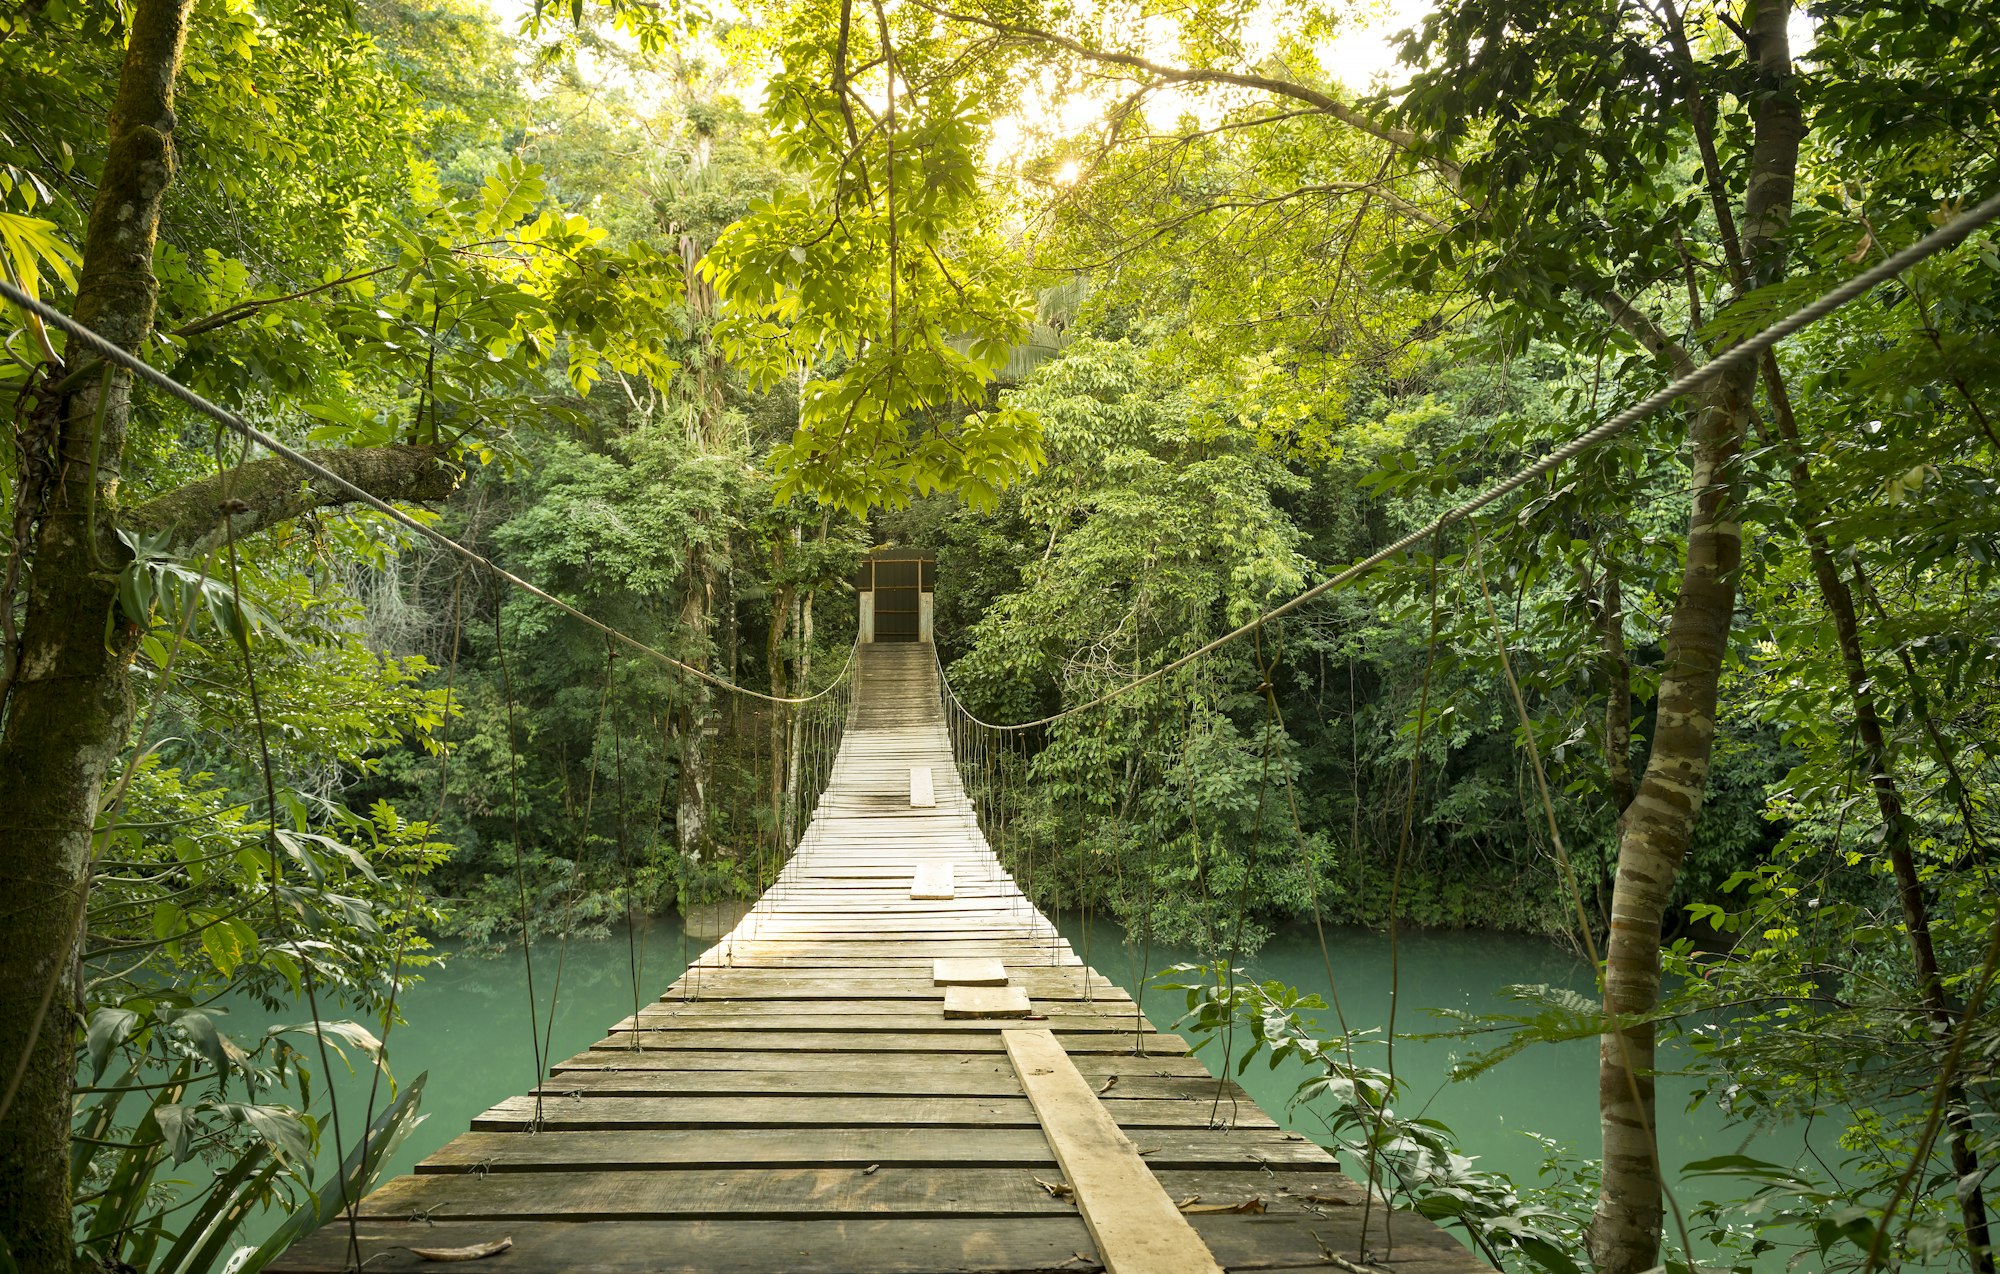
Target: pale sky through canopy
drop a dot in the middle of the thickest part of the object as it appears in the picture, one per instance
(1356, 57)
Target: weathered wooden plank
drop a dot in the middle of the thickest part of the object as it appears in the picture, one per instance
(876, 985)
(1137, 1228)
(923, 795)
(980, 971)
(1080, 1018)
(581, 1110)
(722, 1148)
(776, 1193)
(781, 1061)
(937, 1041)
(990, 1002)
(934, 879)
(898, 1246)
(994, 1245)
(685, 1012)
(896, 955)
(825, 1077)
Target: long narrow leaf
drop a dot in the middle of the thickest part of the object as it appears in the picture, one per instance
(221, 1214)
(357, 1176)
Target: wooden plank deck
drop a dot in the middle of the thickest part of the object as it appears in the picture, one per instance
(799, 1101)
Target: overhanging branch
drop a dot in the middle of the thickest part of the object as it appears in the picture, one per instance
(1325, 103)
(264, 493)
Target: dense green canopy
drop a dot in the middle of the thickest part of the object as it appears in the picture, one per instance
(1142, 323)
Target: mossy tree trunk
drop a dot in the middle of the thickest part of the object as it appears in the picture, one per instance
(69, 710)
(70, 707)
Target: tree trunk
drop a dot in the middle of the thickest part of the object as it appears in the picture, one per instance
(1838, 599)
(691, 803)
(732, 641)
(70, 706)
(1625, 1231)
(70, 710)
(782, 596)
(796, 807)
(1617, 669)
(264, 493)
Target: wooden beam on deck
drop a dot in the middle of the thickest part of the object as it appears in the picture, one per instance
(1137, 1228)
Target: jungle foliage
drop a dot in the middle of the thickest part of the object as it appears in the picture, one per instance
(675, 317)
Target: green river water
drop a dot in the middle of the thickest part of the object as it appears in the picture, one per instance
(467, 1026)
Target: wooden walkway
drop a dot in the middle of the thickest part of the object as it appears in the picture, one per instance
(807, 1099)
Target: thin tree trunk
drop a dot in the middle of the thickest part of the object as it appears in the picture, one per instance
(71, 705)
(732, 641)
(1625, 1230)
(1616, 667)
(774, 654)
(794, 747)
(1625, 1233)
(691, 800)
(1838, 599)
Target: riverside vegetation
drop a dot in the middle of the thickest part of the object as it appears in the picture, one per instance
(1142, 328)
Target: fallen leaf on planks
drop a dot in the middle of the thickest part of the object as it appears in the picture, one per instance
(871, 1170)
(1109, 1084)
(1329, 1200)
(1149, 1150)
(1253, 1206)
(1056, 1189)
(474, 1252)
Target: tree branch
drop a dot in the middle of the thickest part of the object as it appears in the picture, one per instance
(244, 309)
(1322, 102)
(1642, 327)
(263, 493)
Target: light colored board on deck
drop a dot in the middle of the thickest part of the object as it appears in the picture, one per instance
(1137, 1228)
(994, 1002)
(874, 985)
(922, 794)
(852, 1013)
(933, 880)
(977, 971)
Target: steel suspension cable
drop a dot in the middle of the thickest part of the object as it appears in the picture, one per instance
(145, 371)
(1945, 237)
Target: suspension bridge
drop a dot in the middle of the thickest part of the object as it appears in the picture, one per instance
(893, 1064)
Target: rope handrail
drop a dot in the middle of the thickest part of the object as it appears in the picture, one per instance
(1947, 236)
(235, 423)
